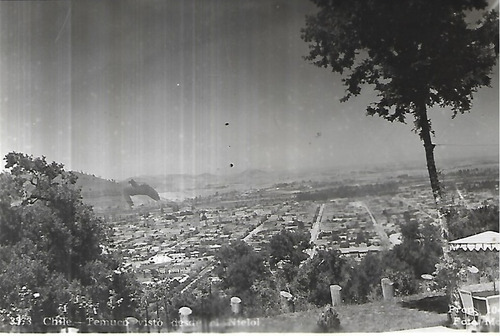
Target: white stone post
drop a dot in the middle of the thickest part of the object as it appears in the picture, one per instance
(132, 324)
(184, 321)
(336, 296)
(387, 289)
(235, 305)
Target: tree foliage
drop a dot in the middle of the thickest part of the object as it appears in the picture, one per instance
(239, 266)
(465, 222)
(418, 253)
(288, 247)
(420, 248)
(52, 245)
(314, 278)
(287, 250)
(404, 50)
(349, 191)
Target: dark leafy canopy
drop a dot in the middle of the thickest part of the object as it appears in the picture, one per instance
(420, 248)
(467, 222)
(413, 52)
(287, 250)
(51, 214)
(315, 277)
(53, 245)
(239, 266)
(289, 247)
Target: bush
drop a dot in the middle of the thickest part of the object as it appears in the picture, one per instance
(328, 320)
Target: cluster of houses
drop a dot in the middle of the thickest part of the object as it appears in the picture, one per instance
(177, 245)
(167, 245)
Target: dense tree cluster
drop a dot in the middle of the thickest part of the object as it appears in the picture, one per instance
(472, 186)
(239, 266)
(418, 254)
(345, 191)
(287, 250)
(246, 274)
(283, 266)
(421, 247)
(465, 222)
(312, 283)
(53, 250)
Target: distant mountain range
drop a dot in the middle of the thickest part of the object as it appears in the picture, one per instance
(102, 193)
(108, 194)
(182, 182)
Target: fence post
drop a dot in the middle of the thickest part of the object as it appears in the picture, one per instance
(132, 324)
(185, 324)
(387, 289)
(335, 293)
(235, 305)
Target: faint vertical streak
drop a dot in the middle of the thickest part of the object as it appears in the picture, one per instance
(215, 152)
(213, 97)
(166, 143)
(70, 96)
(182, 145)
(133, 93)
(3, 97)
(15, 111)
(136, 92)
(107, 128)
(194, 130)
(68, 14)
(64, 96)
(27, 93)
(69, 79)
(141, 93)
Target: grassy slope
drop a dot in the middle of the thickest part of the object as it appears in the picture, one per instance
(371, 317)
(100, 193)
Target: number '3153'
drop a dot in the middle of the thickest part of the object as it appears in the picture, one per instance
(20, 321)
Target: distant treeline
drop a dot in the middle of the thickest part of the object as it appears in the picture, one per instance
(345, 191)
(474, 172)
(480, 185)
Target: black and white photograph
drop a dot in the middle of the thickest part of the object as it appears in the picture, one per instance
(249, 166)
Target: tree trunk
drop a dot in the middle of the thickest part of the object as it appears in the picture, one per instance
(425, 135)
(424, 126)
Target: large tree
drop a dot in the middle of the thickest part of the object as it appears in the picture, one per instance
(415, 54)
(314, 278)
(419, 247)
(54, 258)
(239, 266)
(288, 246)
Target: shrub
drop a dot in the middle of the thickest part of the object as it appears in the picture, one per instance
(328, 320)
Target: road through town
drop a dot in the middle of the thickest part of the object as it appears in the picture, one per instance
(315, 230)
(384, 239)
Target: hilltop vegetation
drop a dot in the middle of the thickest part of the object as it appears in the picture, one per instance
(61, 247)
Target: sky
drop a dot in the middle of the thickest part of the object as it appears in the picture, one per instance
(129, 88)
